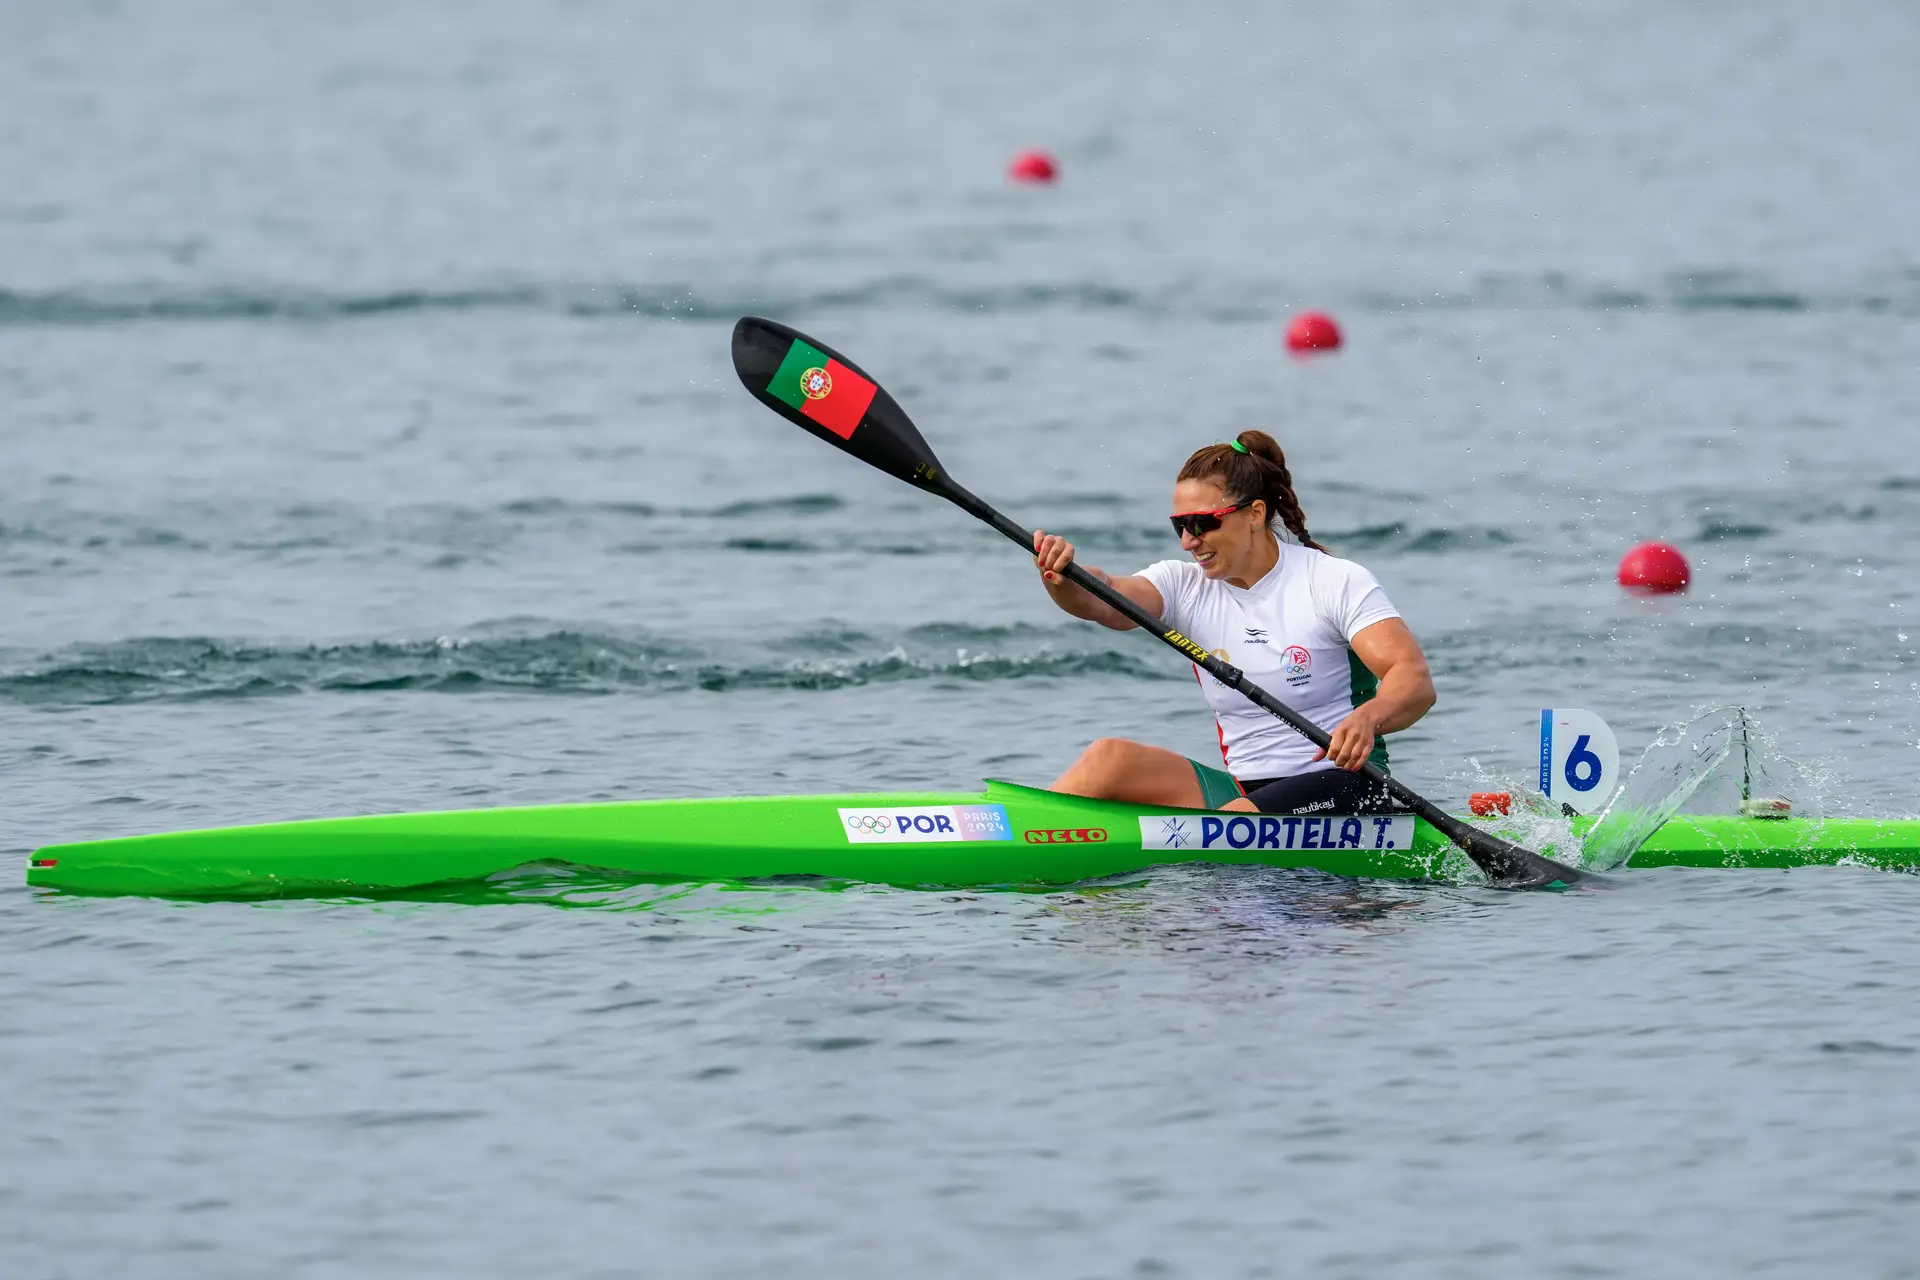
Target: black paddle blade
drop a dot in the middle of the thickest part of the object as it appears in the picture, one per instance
(1507, 864)
(822, 392)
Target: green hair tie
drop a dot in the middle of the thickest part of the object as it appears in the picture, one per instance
(1236, 446)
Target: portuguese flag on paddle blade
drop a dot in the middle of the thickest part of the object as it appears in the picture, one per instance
(822, 388)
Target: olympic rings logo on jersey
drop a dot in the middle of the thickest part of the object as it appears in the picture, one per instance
(1299, 660)
(870, 822)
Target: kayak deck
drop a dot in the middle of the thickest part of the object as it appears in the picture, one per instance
(1006, 835)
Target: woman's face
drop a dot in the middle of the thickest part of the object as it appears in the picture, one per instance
(1236, 544)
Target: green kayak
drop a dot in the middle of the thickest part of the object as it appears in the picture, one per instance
(1006, 835)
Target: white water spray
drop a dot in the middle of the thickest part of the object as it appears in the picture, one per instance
(1681, 757)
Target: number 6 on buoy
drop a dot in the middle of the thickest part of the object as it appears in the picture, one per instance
(1579, 760)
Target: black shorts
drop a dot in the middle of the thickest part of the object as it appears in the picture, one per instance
(1321, 791)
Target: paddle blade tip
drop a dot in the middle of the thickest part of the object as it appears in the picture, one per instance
(830, 397)
(1512, 866)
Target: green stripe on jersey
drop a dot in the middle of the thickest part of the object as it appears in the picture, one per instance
(1365, 685)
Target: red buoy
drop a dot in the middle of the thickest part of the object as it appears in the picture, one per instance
(1654, 568)
(1033, 166)
(1313, 331)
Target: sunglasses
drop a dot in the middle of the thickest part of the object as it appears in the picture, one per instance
(1199, 523)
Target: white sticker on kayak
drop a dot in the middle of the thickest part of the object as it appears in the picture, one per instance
(1579, 759)
(1189, 832)
(920, 824)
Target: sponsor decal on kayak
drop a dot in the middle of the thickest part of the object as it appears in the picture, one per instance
(1186, 832)
(926, 824)
(1067, 835)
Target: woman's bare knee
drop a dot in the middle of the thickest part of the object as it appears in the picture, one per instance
(1119, 769)
(1100, 770)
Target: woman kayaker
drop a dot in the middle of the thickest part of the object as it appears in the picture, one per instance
(1315, 631)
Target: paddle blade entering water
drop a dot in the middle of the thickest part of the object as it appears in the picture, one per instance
(822, 392)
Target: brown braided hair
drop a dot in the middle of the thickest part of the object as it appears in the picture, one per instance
(1260, 472)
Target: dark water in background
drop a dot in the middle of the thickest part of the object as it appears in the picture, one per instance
(370, 444)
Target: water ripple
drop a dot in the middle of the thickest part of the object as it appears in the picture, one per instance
(561, 661)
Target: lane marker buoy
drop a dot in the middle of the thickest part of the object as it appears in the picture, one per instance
(1033, 165)
(1654, 568)
(1313, 331)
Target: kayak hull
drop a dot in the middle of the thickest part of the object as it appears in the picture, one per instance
(1006, 835)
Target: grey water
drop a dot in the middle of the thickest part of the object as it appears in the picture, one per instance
(368, 443)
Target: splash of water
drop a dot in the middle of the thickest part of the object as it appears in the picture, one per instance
(1719, 757)
(1761, 768)
(1681, 757)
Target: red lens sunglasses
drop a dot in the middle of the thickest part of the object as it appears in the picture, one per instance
(1199, 523)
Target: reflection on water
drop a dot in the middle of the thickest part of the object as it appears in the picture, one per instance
(1216, 911)
(1232, 912)
(556, 884)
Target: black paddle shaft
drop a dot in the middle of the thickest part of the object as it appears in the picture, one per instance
(878, 432)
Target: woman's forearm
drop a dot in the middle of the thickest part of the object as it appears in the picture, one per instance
(1078, 601)
(1053, 556)
(1405, 694)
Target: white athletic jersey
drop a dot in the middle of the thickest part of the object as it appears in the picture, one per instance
(1290, 633)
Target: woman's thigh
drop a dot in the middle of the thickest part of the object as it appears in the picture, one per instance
(1120, 769)
(1322, 791)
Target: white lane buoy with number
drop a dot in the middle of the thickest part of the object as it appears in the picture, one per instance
(1579, 760)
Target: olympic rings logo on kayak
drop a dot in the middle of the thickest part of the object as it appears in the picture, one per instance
(875, 823)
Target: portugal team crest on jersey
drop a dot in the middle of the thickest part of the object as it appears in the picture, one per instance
(816, 384)
(1298, 661)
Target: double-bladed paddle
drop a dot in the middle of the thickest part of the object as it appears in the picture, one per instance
(822, 392)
